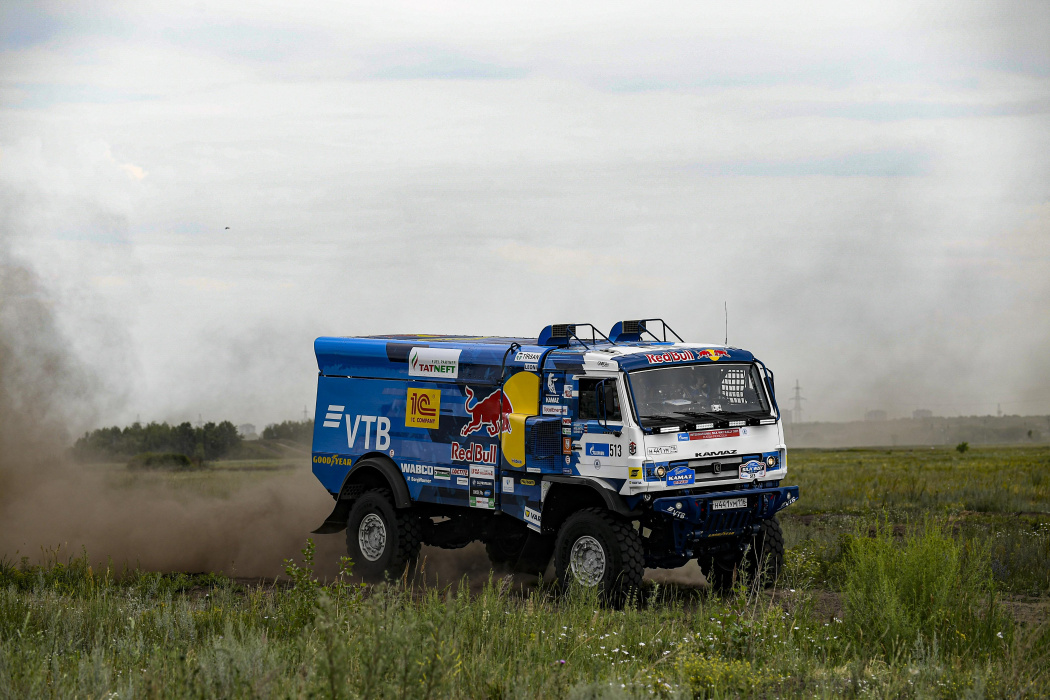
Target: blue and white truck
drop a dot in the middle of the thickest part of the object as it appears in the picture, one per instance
(609, 453)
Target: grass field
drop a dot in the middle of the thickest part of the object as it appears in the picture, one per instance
(910, 573)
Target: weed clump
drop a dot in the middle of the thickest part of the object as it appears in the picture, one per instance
(168, 461)
(927, 587)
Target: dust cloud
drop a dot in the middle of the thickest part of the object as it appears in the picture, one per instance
(47, 501)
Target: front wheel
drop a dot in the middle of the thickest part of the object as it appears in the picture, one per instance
(764, 561)
(595, 549)
(379, 540)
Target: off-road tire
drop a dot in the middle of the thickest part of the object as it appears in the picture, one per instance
(621, 549)
(767, 547)
(402, 532)
(764, 561)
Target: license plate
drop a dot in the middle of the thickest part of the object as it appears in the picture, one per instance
(728, 503)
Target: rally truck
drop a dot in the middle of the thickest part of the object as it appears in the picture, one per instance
(609, 453)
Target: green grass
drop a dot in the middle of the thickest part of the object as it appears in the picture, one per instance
(896, 585)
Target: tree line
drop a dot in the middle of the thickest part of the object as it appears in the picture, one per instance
(210, 441)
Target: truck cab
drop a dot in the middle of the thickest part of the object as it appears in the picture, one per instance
(609, 453)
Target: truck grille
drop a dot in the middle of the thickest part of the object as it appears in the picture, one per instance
(545, 438)
(729, 520)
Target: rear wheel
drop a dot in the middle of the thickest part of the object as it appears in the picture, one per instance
(595, 549)
(379, 540)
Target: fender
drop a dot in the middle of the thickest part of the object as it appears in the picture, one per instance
(379, 465)
(610, 498)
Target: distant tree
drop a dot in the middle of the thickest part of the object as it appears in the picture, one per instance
(301, 431)
(962, 447)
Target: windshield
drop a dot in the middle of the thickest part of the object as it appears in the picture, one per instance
(698, 391)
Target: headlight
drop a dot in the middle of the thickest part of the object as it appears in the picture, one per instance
(661, 472)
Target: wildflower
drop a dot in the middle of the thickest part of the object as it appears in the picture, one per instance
(999, 635)
(561, 662)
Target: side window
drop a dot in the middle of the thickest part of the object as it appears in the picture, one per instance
(589, 405)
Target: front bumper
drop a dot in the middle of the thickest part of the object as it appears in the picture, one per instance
(696, 518)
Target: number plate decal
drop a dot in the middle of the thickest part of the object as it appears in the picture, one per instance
(729, 503)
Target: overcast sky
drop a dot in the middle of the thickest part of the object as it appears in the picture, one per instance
(867, 187)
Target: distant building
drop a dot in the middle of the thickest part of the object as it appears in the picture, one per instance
(247, 431)
(922, 413)
(875, 415)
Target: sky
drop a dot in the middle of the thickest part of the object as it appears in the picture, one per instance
(201, 189)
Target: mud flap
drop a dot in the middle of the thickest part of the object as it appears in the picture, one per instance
(535, 554)
(336, 522)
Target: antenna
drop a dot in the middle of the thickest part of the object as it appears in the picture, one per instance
(725, 306)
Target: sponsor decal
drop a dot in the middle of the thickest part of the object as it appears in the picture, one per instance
(489, 413)
(532, 518)
(433, 362)
(670, 510)
(421, 469)
(566, 431)
(536, 470)
(711, 354)
(603, 363)
(567, 390)
(486, 454)
(636, 472)
(528, 482)
(334, 460)
(551, 399)
(422, 408)
(787, 502)
(554, 411)
(335, 413)
(712, 434)
(566, 421)
(459, 471)
(752, 469)
(551, 388)
(566, 445)
(716, 453)
(568, 460)
(681, 476)
(480, 472)
(597, 449)
(597, 464)
(669, 356)
(461, 481)
(683, 437)
(632, 448)
(661, 450)
(527, 356)
(482, 492)
(379, 426)
(508, 485)
(716, 407)
(531, 367)
(442, 473)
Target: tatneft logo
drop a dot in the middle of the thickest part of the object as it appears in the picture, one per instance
(433, 362)
(379, 426)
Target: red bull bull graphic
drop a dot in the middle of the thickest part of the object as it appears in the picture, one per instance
(490, 413)
(711, 354)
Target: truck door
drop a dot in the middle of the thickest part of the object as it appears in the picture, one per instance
(601, 448)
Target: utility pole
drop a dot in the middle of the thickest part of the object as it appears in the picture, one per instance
(796, 412)
(306, 416)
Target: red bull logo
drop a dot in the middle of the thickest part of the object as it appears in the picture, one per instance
(669, 356)
(490, 413)
(712, 354)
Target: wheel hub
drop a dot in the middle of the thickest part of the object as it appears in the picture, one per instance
(371, 536)
(587, 561)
